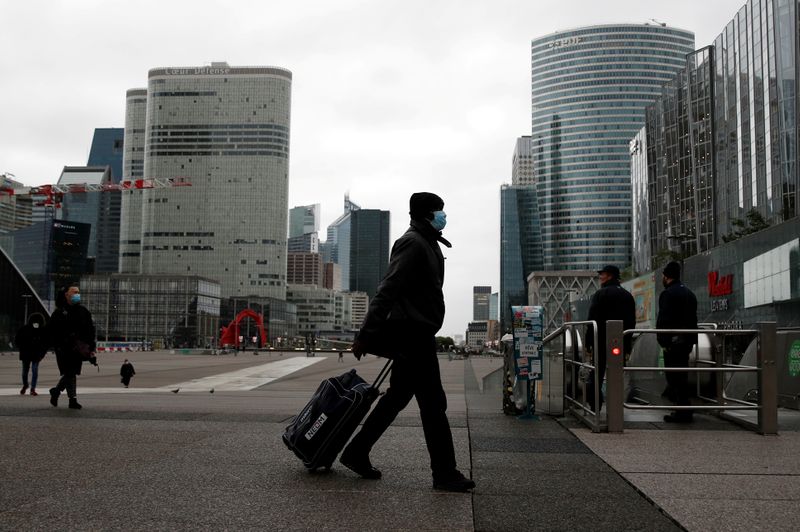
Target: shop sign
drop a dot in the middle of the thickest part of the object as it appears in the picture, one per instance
(718, 305)
(720, 285)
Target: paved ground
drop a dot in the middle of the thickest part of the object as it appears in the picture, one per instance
(147, 458)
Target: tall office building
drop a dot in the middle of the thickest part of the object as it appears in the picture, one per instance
(590, 87)
(339, 230)
(369, 250)
(227, 130)
(130, 235)
(494, 302)
(106, 150)
(303, 220)
(480, 302)
(756, 75)
(100, 210)
(522, 163)
(721, 139)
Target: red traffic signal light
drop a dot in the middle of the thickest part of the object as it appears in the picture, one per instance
(616, 351)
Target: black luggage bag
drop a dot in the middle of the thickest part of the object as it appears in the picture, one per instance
(325, 424)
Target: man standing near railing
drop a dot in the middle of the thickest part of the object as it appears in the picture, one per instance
(611, 302)
(677, 309)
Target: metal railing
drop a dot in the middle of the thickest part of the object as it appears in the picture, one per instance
(767, 405)
(579, 408)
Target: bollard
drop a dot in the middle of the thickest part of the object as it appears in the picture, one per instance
(615, 380)
(767, 379)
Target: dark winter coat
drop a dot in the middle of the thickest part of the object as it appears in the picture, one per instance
(611, 302)
(410, 295)
(68, 324)
(32, 343)
(677, 309)
(127, 371)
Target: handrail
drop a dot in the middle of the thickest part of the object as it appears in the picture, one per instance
(765, 370)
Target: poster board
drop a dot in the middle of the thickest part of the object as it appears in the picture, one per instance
(528, 348)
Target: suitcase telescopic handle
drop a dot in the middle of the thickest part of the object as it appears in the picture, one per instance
(387, 368)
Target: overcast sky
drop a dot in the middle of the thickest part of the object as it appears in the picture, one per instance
(389, 97)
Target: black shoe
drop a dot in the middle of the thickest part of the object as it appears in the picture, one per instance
(359, 465)
(73, 403)
(54, 393)
(678, 417)
(453, 482)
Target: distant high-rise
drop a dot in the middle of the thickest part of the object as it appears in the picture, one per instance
(480, 302)
(100, 210)
(130, 233)
(369, 250)
(522, 163)
(107, 148)
(589, 90)
(227, 130)
(494, 305)
(303, 220)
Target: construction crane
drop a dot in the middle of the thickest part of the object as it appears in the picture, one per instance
(54, 194)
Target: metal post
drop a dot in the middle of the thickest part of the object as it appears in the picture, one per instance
(767, 379)
(615, 381)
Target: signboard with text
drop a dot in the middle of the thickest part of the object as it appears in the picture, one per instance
(528, 348)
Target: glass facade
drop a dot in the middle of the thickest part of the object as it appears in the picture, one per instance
(280, 317)
(590, 87)
(107, 148)
(756, 79)
(480, 302)
(679, 148)
(170, 311)
(18, 300)
(369, 250)
(520, 247)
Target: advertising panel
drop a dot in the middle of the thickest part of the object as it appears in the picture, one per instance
(528, 348)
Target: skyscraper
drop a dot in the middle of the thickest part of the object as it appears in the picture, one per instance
(227, 129)
(522, 163)
(106, 150)
(480, 302)
(130, 233)
(369, 250)
(590, 87)
(303, 220)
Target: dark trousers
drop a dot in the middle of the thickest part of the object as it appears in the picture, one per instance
(678, 381)
(600, 364)
(68, 382)
(415, 376)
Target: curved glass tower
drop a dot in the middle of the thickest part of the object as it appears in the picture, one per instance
(590, 87)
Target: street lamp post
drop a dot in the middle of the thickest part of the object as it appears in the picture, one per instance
(26, 297)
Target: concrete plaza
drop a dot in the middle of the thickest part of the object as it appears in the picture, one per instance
(148, 458)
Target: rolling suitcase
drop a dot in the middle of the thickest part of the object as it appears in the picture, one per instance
(321, 430)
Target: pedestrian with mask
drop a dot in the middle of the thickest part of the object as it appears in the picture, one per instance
(31, 340)
(401, 323)
(677, 309)
(126, 372)
(71, 331)
(611, 302)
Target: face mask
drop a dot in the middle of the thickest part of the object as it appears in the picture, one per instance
(439, 220)
(75, 299)
(35, 325)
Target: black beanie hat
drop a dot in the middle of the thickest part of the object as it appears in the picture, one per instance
(673, 270)
(422, 204)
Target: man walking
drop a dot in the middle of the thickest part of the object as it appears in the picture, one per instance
(611, 302)
(72, 333)
(401, 323)
(677, 309)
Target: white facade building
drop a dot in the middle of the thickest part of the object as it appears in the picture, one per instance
(227, 130)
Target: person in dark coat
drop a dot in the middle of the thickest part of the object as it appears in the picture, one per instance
(31, 340)
(72, 334)
(677, 309)
(401, 323)
(611, 302)
(126, 372)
